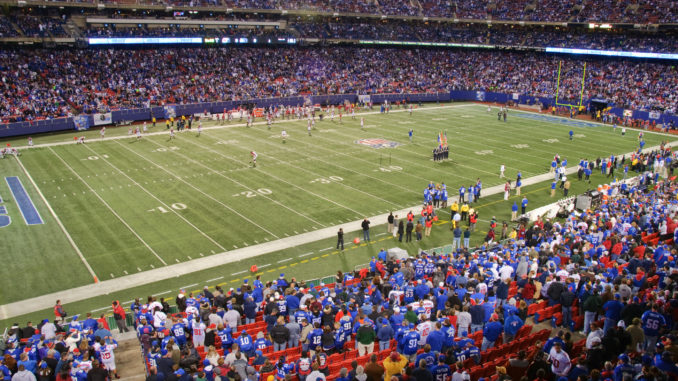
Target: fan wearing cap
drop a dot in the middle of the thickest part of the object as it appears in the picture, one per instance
(493, 329)
(612, 310)
(624, 368)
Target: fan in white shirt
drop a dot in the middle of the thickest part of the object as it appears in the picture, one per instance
(560, 361)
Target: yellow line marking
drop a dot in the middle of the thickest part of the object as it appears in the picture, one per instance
(235, 280)
(293, 264)
(304, 261)
(335, 252)
(315, 258)
(282, 267)
(325, 255)
(221, 284)
(270, 271)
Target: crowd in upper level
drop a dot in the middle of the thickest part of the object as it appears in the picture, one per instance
(634, 11)
(53, 83)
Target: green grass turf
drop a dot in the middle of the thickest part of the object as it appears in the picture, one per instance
(116, 197)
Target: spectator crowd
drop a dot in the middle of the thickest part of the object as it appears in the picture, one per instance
(39, 83)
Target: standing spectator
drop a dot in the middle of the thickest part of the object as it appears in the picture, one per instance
(491, 333)
(560, 360)
(385, 334)
(119, 315)
(59, 313)
(457, 233)
(408, 231)
(340, 239)
(566, 301)
(365, 337)
(280, 335)
(394, 365)
(421, 373)
(374, 371)
(366, 229)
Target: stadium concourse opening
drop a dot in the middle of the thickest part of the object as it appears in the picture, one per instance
(142, 154)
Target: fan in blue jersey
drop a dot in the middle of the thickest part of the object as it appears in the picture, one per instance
(262, 342)
(245, 343)
(282, 369)
(428, 356)
(653, 323)
(410, 343)
(340, 336)
(441, 371)
(300, 315)
(179, 333)
(314, 338)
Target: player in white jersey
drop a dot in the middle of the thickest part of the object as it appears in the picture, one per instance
(332, 115)
(198, 333)
(138, 133)
(501, 171)
(81, 140)
(145, 127)
(108, 356)
(130, 131)
(560, 361)
(172, 134)
(352, 112)
(489, 109)
(254, 158)
(268, 121)
(241, 115)
(30, 141)
(284, 136)
(249, 120)
(362, 123)
(424, 328)
(309, 129)
(410, 109)
(102, 132)
(199, 127)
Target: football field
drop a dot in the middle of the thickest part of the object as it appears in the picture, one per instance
(120, 206)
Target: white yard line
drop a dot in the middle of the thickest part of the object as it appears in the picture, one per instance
(56, 218)
(215, 279)
(285, 260)
(108, 207)
(201, 192)
(157, 199)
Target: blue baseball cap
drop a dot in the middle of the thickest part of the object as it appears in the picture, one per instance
(180, 372)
